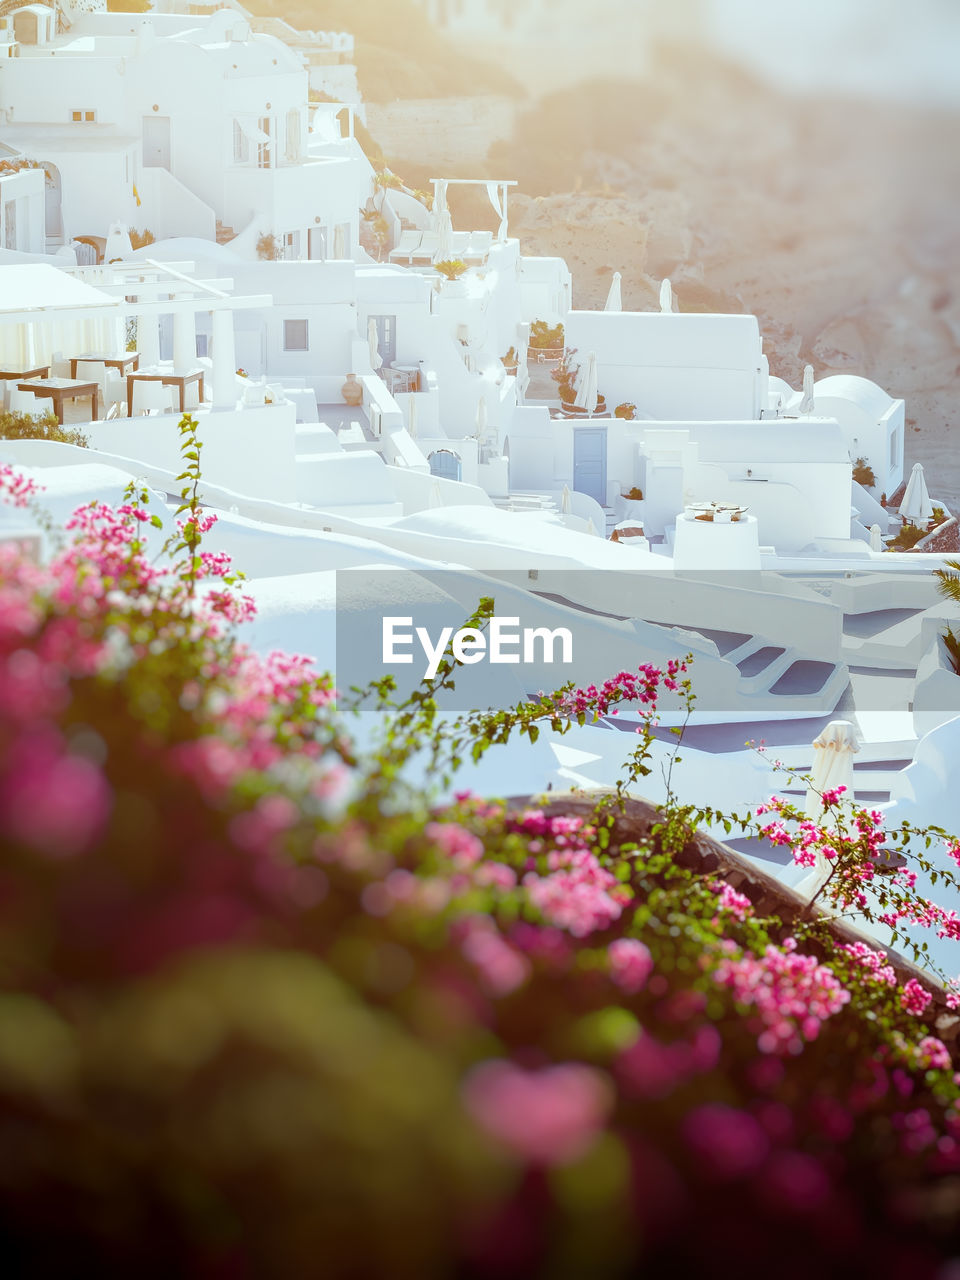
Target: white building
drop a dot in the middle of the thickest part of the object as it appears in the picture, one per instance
(181, 125)
(21, 205)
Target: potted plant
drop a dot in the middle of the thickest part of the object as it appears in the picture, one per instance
(565, 376)
(510, 361)
(546, 341)
(269, 248)
(545, 337)
(451, 268)
(628, 504)
(625, 410)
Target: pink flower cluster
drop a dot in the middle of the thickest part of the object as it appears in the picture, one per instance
(578, 895)
(630, 964)
(15, 487)
(462, 847)
(792, 994)
(653, 1070)
(641, 687)
(545, 1117)
(934, 1054)
(871, 962)
(737, 904)
(915, 999)
(500, 966)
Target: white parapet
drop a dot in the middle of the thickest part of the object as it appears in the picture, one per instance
(718, 543)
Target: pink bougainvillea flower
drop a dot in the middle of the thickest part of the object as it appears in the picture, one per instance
(729, 1143)
(50, 800)
(544, 1117)
(630, 964)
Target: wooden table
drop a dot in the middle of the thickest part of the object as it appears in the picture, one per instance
(60, 389)
(27, 371)
(181, 380)
(129, 359)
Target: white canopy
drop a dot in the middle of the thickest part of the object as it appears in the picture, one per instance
(916, 504)
(833, 752)
(806, 402)
(34, 286)
(376, 360)
(587, 390)
(614, 300)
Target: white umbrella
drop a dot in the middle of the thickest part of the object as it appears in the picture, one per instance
(118, 242)
(876, 538)
(587, 390)
(436, 496)
(806, 403)
(666, 296)
(614, 300)
(481, 418)
(565, 505)
(916, 504)
(412, 416)
(376, 360)
(444, 250)
(833, 752)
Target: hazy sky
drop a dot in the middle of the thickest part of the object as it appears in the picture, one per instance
(893, 48)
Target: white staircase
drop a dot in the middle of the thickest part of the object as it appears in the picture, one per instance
(520, 500)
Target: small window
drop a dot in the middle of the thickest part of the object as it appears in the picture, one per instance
(203, 340)
(241, 145)
(295, 335)
(83, 116)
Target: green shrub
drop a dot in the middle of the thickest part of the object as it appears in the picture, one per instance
(268, 247)
(863, 473)
(908, 537)
(544, 336)
(24, 426)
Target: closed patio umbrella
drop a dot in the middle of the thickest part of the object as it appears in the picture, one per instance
(876, 538)
(806, 404)
(833, 752)
(444, 250)
(412, 417)
(614, 300)
(376, 360)
(565, 505)
(666, 295)
(916, 504)
(587, 391)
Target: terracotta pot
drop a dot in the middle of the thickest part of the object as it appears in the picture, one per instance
(352, 391)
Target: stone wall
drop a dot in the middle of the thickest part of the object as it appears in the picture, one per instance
(442, 132)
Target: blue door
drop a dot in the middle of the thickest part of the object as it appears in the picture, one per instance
(446, 464)
(590, 462)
